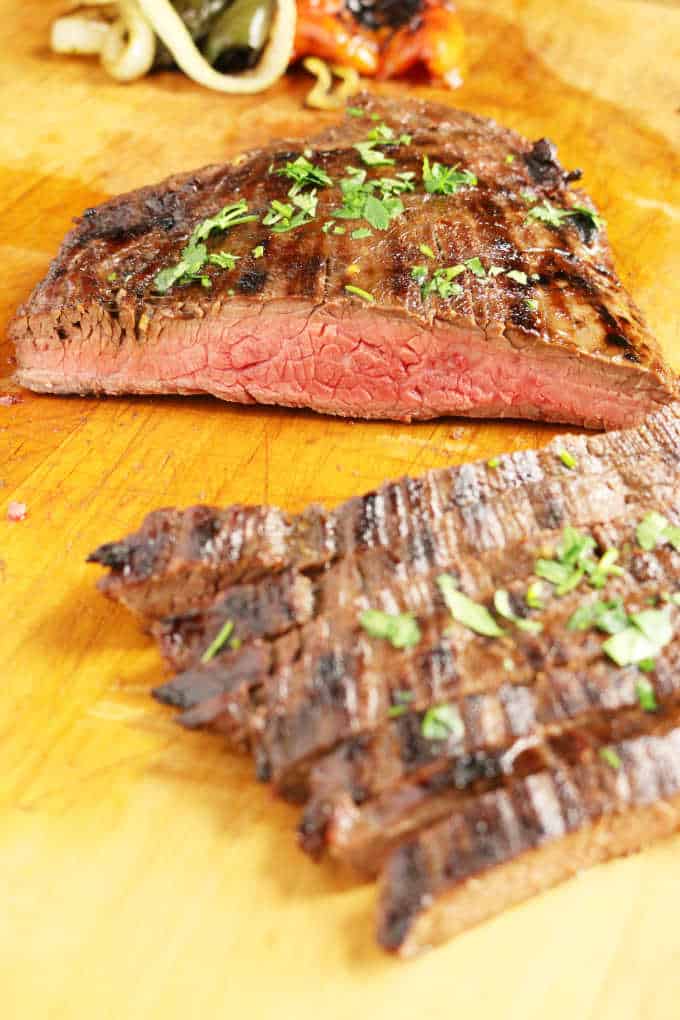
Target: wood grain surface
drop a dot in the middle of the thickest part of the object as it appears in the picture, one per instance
(146, 874)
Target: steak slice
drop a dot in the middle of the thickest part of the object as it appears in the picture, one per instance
(559, 339)
(179, 561)
(509, 844)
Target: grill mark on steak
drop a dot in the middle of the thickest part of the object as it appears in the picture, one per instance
(81, 330)
(425, 894)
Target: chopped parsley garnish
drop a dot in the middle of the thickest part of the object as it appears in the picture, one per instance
(509, 158)
(112, 277)
(553, 216)
(355, 111)
(445, 180)
(463, 610)
(425, 250)
(644, 637)
(534, 595)
(363, 294)
(285, 216)
(376, 200)
(441, 281)
(384, 135)
(503, 607)
(611, 757)
(304, 174)
(531, 304)
(258, 251)
(402, 700)
(400, 629)
(517, 275)
(194, 256)
(223, 259)
(475, 266)
(372, 156)
(495, 270)
(610, 617)
(646, 696)
(574, 561)
(216, 646)
(441, 722)
(567, 459)
(339, 230)
(360, 233)
(655, 528)
(493, 462)
(647, 665)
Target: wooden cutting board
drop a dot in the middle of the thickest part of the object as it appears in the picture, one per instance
(145, 873)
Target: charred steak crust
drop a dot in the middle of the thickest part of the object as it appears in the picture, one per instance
(500, 348)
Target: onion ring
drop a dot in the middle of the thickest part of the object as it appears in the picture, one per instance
(130, 45)
(275, 58)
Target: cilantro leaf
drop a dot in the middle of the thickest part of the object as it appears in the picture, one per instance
(465, 611)
(442, 722)
(445, 180)
(400, 629)
(304, 174)
(218, 643)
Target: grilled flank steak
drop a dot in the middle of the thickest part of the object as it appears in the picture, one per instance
(442, 650)
(415, 261)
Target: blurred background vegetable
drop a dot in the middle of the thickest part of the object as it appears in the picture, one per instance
(245, 45)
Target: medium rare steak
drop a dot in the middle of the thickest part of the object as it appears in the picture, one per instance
(413, 262)
(428, 667)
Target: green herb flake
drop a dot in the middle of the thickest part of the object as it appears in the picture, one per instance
(509, 158)
(372, 156)
(645, 695)
(258, 251)
(611, 757)
(355, 111)
(534, 595)
(493, 462)
(400, 629)
(553, 216)
(360, 233)
(442, 722)
(112, 277)
(647, 633)
(653, 529)
(605, 567)
(531, 304)
(496, 270)
(285, 216)
(567, 459)
(647, 665)
(518, 276)
(441, 282)
(445, 180)
(402, 700)
(223, 259)
(475, 266)
(358, 292)
(216, 646)
(425, 250)
(610, 617)
(466, 612)
(339, 230)
(304, 174)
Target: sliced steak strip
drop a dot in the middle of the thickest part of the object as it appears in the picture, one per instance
(179, 561)
(509, 844)
(283, 329)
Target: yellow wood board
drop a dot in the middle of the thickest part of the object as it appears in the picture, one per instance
(145, 873)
